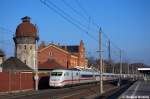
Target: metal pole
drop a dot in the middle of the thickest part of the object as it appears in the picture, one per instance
(36, 70)
(119, 82)
(132, 73)
(109, 57)
(113, 68)
(128, 69)
(101, 65)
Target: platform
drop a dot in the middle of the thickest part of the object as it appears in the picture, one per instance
(139, 90)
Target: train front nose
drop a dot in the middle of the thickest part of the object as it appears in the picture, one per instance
(55, 82)
(56, 78)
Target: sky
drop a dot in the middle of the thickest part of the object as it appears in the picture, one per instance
(125, 22)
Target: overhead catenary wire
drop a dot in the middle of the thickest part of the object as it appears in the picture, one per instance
(82, 8)
(87, 15)
(68, 18)
(73, 9)
(66, 14)
(72, 20)
(85, 12)
(3, 41)
(5, 29)
(88, 20)
(94, 23)
(76, 23)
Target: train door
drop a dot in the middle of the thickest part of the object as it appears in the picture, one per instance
(77, 77)
(72, 77)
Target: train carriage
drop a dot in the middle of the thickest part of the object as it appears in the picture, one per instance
(63, 77)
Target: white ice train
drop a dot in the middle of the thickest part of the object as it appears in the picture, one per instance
(63, 77)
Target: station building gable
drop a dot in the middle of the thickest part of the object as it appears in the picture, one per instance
(67, 56)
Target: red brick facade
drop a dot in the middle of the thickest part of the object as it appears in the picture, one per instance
(62, 55)
(53, 52)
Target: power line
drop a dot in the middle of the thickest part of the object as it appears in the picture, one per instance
(85, 12)
(5, 29)
(81, 7)
(88, 20)
(73, 9)
(73, 21)
(56, 11)
(82, 15)
(64, 15)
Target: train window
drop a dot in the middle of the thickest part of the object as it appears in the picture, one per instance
(67, 73)
(56, 74)
(53, 74)
(77, 74)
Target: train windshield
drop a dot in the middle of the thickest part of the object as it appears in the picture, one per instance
(56, 74)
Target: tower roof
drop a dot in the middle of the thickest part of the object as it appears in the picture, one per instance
(26, 29)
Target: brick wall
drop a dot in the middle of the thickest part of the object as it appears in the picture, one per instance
(10, 82)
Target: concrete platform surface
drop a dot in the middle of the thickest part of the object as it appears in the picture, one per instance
(139, 90)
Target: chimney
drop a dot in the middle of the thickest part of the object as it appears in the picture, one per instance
(42, 45)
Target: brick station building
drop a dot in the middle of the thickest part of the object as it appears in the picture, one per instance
(68, 56)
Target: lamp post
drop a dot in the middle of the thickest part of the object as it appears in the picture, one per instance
(36, 77)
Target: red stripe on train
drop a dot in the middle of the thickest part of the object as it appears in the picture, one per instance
(81, 79)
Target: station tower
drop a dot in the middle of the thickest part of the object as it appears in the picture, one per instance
(25, 40)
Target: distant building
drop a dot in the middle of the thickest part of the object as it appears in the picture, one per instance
(66, 56)
(25, 42)
(144, 73)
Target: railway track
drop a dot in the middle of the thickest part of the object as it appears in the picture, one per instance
(75, 92)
